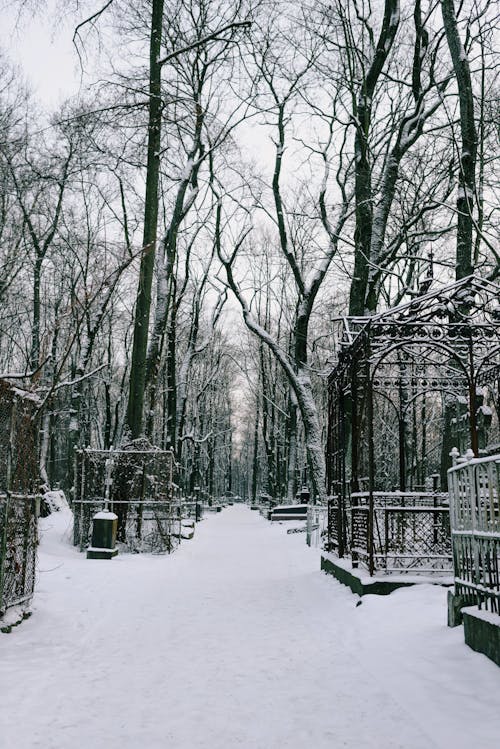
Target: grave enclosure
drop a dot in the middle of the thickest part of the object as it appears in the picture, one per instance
(135, 482)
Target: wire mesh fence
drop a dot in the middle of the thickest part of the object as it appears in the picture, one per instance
(137, 484)
(19, 500)
(18, 533)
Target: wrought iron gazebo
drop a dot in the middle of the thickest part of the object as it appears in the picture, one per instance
(410, 384)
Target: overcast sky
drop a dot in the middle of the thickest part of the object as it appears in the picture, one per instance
(43, 51)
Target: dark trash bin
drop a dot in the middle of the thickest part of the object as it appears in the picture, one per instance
(104, 527)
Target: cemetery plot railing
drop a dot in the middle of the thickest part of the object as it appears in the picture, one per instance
(146, 526)
(338, 532)
(136, 484)
(475, 530)
(396, 532)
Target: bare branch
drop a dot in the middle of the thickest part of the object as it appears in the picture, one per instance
(210, 38)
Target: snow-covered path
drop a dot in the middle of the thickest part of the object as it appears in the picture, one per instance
(236, 640)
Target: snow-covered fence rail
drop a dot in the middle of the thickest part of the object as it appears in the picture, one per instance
(474, 487)
(137, 484)
(394, 531)
(18, 497)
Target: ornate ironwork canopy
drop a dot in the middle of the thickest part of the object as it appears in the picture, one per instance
(409, 384)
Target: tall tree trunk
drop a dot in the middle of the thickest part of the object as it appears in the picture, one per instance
(35, 330)
(467, 171)
(267, 425)
(255, 457)
(466, 188)
(291, 489)
(45, 431)
(143, 299)
(363, 178)
(171, 378)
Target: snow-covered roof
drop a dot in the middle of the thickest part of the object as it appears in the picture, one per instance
(446, 317)
(473, 298)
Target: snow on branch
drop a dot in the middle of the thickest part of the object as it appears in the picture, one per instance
(86, 376)
(24, 375)
(200, 440)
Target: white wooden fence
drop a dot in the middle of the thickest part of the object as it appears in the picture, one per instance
(473, 485)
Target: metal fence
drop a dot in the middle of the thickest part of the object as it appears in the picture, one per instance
(136, 483)
(18, 498)
(316, 526)
(18, 536)
(475, 528)
(400, 532)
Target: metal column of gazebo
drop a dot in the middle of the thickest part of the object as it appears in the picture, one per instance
(410, 384)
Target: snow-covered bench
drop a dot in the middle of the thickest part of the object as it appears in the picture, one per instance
(289, 512)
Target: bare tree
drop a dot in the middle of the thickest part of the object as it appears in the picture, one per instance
(203, 35)
(40, 185)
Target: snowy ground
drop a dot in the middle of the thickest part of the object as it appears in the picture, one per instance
(235, 641)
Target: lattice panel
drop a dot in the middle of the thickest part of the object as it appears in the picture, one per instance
(477, 562)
